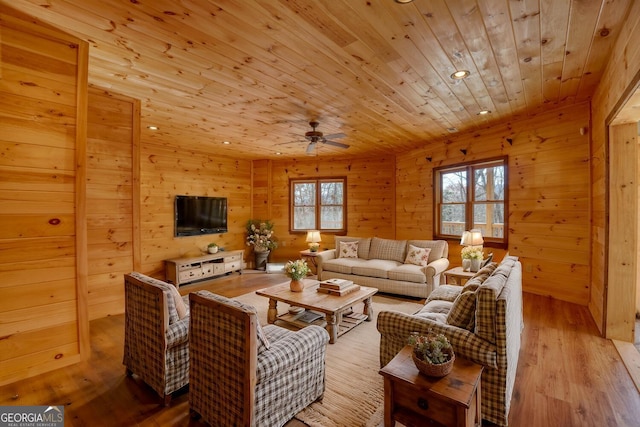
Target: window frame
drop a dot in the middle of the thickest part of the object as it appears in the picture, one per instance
(470, 202)
(317, 207)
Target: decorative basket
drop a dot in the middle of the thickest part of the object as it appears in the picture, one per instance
(432, 370)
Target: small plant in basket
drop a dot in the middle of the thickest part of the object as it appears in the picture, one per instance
(432, 354)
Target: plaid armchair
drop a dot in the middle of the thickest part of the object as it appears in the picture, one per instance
(156, 339)
(244, 375)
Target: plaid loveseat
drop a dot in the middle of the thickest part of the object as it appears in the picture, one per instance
(156, 339)
(386, 264)
(245, 375)
(483, 320)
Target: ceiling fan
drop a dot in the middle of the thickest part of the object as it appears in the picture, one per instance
(314, 136)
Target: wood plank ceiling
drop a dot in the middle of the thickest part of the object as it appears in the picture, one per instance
(254, 73)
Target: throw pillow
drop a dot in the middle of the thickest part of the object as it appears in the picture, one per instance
(263, 342)
(181, 308)
(348, 250)
(417, 256)
(463, 311)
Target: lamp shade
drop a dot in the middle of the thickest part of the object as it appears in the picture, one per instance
(472, 238)
(313, 236)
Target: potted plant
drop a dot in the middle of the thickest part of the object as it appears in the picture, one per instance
(432, 354)
(296, 271)
(212, 248)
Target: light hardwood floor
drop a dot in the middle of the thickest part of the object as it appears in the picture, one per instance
(567, 374)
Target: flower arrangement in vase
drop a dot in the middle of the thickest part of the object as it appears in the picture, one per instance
(260, 235)
(296, 271)
(473, 255)
(432, 354)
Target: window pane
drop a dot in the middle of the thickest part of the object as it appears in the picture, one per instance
(331, 193)
(489, 217)
(304, 218)
(304, 194)
(489, 183)
(454, 187)
(452, 220)
(331, 218)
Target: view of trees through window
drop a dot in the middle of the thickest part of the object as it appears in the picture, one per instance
(326, 215)
(472, 196)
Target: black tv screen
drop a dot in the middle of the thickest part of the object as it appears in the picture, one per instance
(200, 215)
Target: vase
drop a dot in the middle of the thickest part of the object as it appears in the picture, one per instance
(213, 250)
(261, 258)
(466, 264)
(475, 265)
(296, 285)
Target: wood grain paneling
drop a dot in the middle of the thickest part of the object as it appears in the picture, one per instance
(111, 128)
(165, 173)
(42, 138)
(370, 196)
(617, 83)
(549, 209)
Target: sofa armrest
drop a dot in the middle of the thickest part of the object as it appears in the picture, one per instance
(177, 332)
(293, 349)
(322, 257)
(395, 329)
(434, 269)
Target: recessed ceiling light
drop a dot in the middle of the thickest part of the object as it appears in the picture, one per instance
(452, 130)
(278, 153)
(460, 74)
(226, 142)
(152, 127)
(483, 112)
(404, 1)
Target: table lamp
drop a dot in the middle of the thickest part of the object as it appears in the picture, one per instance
(313, 238)
(472, 239)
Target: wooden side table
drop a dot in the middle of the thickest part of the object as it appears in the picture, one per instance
(310, 256)
(457, 276)
(410, 397)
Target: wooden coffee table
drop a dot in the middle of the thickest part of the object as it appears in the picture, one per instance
(339, 317)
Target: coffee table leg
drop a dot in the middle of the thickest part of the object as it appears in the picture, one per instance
(368, 310)
(272, 313)
(332, 327)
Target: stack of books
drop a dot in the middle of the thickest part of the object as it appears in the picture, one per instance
(338, 287)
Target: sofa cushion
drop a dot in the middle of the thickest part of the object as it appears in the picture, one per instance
(479, 278)
(364, 243)
(181, 307)
(408, 273)
(341, 265)
(417, 256)
(435, 317)
(436, 306)
(388, 249)
(463, 311)
(445, 293)
(437, 247)
(374, 268)
(348, 250)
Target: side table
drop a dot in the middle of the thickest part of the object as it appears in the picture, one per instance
(410, 397)
(308, 255)
(457, 276)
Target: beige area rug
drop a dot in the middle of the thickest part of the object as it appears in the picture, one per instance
(354, 395)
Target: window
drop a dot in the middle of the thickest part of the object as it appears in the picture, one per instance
(318, 204)
(472, 195)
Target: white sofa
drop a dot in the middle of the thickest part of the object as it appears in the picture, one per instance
(383, 264)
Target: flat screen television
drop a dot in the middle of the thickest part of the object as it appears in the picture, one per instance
(197, 215)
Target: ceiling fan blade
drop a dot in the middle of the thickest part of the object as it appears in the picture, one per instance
(335, 136)
(310, 147)
(336, 144)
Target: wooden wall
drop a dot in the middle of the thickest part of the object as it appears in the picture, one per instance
(113, 130)
(43, 95)
(549, 211)
(166, 172)
(370, 196)
(619, 79)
